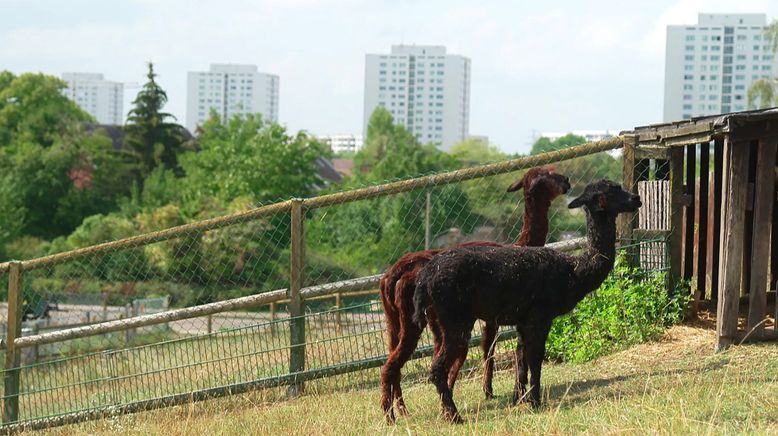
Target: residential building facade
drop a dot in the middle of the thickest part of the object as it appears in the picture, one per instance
(230, 90)
(343, 143)
(710, 66)
(424, 88)
(103, 99)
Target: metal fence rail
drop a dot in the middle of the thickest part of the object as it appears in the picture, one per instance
(224, 337)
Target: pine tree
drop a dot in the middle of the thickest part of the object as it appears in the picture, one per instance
(148, 131)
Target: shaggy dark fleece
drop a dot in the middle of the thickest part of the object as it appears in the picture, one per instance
(541, 186)
(523, 286)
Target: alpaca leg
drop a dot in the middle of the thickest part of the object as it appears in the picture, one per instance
(390, 372)
(488, 336)
(535, 353)
(520, 388)
(437, 334)
(441, 365)
(459, 360)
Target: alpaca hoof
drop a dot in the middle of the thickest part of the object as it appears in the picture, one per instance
(489, 394)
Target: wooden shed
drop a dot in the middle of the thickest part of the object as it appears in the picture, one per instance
(720, 173)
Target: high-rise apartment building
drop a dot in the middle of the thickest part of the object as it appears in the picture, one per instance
(424, 89)
(229, 90)
(101, 98)
(342, 143)
(710, 66)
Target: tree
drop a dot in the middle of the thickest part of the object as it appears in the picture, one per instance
(245, 157)
(34, 109)
(477, 151)
(763, 93)
(544, 145)
(149, 132)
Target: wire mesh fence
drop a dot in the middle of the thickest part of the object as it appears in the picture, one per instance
(348, 235)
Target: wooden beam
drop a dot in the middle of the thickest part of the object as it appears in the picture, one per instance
(297, 321)
(11, 376)
(763, 213)
(701, 212)
(733, 207)
(688, 212)
(652, 152)
(716, 211)
(676, 215)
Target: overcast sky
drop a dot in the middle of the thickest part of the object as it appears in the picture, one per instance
(536, 65)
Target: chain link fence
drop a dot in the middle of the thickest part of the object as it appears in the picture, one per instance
(237, 303)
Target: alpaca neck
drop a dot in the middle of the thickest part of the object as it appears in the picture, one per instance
(597, 260)
(535, 228)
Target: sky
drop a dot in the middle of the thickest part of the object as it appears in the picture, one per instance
(537, 66)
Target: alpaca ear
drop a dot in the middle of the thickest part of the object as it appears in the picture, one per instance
(515, 186)
(580, 201)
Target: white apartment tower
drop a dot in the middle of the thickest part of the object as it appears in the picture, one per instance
(101, 98)
(424, 89)
(710, 66)
(229, 90)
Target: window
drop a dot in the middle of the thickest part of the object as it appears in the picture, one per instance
(740, 67)
(689, 57)
(740, 57)
(689, 67)
(691, 47)
(740, 77)
(687, 107)
(756, 48)
(767, 57)
(690, 37)
(765, 67)
(687, 97)
(740, 87)
(688, 87)
(741, 37)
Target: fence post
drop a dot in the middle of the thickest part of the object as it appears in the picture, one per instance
(427, 229)
(338, 307)
(210, 324)
(12, 353)
(272, 318)
(296, 321)
(626, 221)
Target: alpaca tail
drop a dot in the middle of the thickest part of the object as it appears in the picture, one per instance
(421, 299)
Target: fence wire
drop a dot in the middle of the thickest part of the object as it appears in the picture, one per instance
(235, 351)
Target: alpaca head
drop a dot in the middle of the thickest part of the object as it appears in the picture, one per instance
(608, 197)
(541, 182)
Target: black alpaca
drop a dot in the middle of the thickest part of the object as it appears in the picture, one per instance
(523, 286)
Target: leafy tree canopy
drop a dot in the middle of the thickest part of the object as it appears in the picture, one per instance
(763, 93)
(151, 133)
(544, 145)
(475, 150)
(33, 109)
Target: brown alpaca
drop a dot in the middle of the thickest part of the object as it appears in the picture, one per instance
(541, 186)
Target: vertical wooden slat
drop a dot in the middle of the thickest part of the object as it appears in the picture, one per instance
(297, 322)
(716, 207)
(676, 215)
(12, 353)
(688, 211)
(702, 220)
(763, 211)
(626, 221)
(748, 230)
(733, 204)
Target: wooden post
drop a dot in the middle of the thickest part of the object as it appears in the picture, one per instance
(296, 322)
(676, 215)
(427, 229)
(12, 353)
(272, 318)
(760, 254)
(338, 307)
(688, 224)
(702, 222)
(626, 221)
(716, 211)
(736, 156)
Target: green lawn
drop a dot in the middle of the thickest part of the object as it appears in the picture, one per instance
(677, 385)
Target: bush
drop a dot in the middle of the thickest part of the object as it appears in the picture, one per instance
(630, 307)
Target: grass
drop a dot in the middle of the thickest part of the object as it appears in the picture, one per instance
(675, 385)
